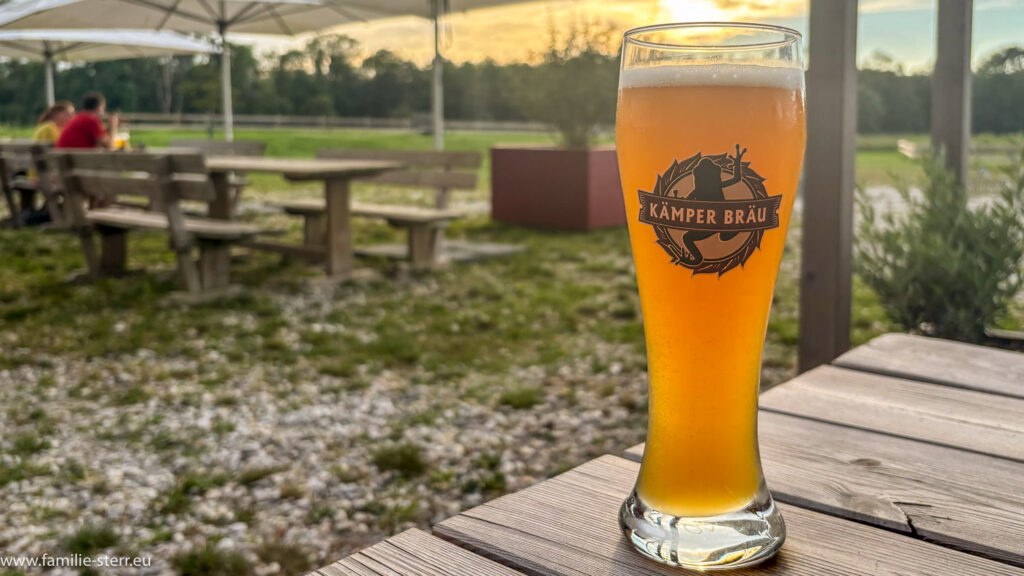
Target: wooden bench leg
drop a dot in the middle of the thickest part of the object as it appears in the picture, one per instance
(214, 264)
(92, 260)
(314, 230)
(423, 246)
(12, 207)
(113, 251)
(189, 271)
(28, 200)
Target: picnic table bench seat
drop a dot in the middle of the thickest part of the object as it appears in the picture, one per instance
(165, 179)
(199, 227)
(424, 225)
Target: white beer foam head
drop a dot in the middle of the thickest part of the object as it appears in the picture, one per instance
(712, 75)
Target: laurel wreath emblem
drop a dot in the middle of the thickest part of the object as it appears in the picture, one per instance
(667, 181)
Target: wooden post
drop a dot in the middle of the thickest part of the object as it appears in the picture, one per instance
(951, 85)
(423, 246)
(221, 207)
(113, 251)
(314, 229)
(339, 228)
(214, 264)
(828, 184)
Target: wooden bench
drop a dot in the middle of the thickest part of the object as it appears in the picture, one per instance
(165, 179)
(237, 181)
(17, 158)
(428, 169)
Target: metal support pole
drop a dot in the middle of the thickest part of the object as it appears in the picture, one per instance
(437, 101)
(225, 87)
(951, 85)
(50, 99)
(827, 242)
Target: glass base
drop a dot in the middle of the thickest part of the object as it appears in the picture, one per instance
(736, 539)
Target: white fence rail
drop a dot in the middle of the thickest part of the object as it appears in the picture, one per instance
(415, 123)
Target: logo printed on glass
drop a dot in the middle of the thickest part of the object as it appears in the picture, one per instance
(710, 212)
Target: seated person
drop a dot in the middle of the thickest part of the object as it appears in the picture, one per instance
(48, 128)
(52, 121)
(86, 130)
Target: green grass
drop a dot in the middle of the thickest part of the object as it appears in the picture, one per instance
(405, 460)
(188, 486)
(521, 397)
(90, 539)
(209, 561)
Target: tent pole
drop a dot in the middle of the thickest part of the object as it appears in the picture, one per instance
(225, 87)
(50, 99)
(438, 83)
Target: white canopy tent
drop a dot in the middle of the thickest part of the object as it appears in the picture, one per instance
(93, 45)
(287, 17)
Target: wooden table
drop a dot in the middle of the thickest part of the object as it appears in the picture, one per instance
(336, 176)
(904, 457)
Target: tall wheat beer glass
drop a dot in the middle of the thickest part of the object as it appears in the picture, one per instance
(710, 135)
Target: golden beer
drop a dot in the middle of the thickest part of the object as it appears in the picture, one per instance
(710, 157)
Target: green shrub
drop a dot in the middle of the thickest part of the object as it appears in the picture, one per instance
(943, 267)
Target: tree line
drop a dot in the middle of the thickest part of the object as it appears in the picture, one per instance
(327, 78)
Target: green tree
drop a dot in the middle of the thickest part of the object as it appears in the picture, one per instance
(574, 88)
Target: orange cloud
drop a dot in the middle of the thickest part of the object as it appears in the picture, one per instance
(519, 32)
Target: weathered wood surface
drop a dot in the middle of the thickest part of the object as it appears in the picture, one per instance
(104, 160)
(414, 553)
(826, 255)
(222, 147)
(959, 499)
(394, 213)
(568, 526)
(425, 179)
(411, 157)
(941, 362)
(300, 168)
(203, 227)
(938, 414)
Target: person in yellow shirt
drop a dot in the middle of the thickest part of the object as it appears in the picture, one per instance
(48, 129)
(52, 121)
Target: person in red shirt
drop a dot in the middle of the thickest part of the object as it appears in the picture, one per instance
(86, 130)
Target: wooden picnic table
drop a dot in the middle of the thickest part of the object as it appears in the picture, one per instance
(336, 175)
(904, 457)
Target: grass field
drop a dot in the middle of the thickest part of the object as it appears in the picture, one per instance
(877, 159)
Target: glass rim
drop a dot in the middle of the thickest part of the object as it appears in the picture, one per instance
(789, 36)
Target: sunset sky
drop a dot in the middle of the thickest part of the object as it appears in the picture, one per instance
(904, 29)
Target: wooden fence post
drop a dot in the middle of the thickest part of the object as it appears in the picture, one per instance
(951, 85)
(828, 184)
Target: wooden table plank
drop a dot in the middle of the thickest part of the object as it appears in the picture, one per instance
(959, 499)
(944, 415)
(940, 362)
(414, 553)
(568, 526)
(300, 168)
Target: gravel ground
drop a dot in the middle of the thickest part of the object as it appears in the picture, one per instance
(278, 462)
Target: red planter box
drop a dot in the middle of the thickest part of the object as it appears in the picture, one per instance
(568, 189)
